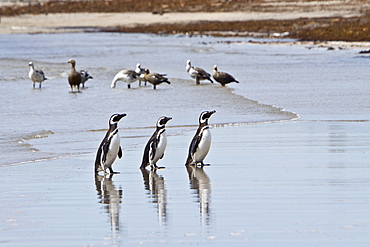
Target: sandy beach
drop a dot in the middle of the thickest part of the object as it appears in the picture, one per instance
(303, 20)
(289, 161)
(77, 22)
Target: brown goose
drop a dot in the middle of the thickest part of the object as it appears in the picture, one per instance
(155, 78)
(222, 77)
(197, 73)
(74, 77)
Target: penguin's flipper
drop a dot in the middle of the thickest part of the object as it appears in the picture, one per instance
(120, 154)
(105, 149)
(195, 143)
(153, 149)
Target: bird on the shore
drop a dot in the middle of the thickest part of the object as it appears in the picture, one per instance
(36, 75)
(197, 73)
(155, 78)
(74, 77)
(110, 147)
(140, 72)
(222, 77)
(201, 142)
(154, 149)
(126, 75)
(84, 77)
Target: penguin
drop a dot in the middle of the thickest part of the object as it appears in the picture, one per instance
(201, 142)
(74, 77)
(222, 77)
(155, 78)
(84, 77)
(36, 75)
(197, 73)
(154, 149)
(110, 147)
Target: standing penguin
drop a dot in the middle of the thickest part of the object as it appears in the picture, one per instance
(110, 147)
(201, 143)
(154, 149)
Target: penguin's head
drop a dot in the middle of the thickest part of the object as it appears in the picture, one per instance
(30, 64)
(161, 123)
(204, 116)
(188, 62)
(215, 68)
(116, 117)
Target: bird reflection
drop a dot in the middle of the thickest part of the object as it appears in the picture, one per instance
(201, 184)
(110, 197)
(155, 186)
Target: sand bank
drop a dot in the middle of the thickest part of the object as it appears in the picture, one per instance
(77, 22)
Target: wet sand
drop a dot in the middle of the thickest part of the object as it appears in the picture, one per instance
(298, 183)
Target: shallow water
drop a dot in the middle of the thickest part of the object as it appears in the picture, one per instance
(272, 181)
(53, 117)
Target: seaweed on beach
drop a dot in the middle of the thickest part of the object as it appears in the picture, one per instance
(343, 28)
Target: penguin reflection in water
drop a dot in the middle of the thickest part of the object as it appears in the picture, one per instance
(110, 147)
(201, 143)
(110, 197)
(154, 149)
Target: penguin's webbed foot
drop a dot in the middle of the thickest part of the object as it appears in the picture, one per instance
(201, 164)
(155, 167)
(112, 172)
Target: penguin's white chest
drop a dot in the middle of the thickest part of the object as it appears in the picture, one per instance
(203, 146)
(161, 146)
(113, 150)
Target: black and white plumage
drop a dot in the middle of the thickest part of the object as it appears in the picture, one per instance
(154, 149)
(201, 142)
(197, 73)
(110, 147)
(222, 77)
(140, 73)
(36, 75)
(84, 77)
(126, 75)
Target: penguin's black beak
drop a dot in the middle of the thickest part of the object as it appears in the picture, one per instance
(165, 120)
(210, 113)
(122, 115)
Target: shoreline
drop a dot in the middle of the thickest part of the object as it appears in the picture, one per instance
(339, 24)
